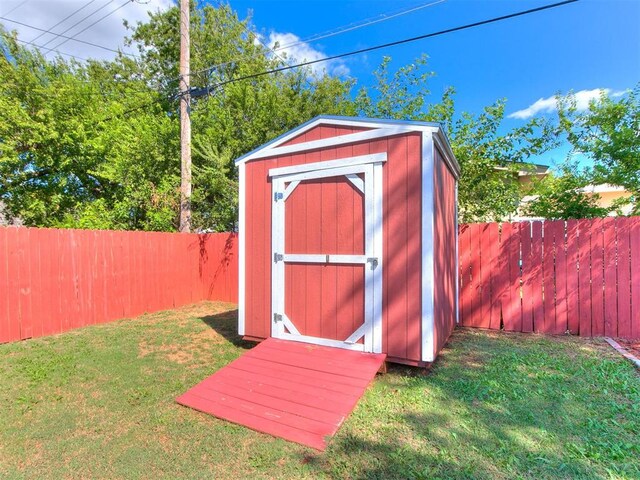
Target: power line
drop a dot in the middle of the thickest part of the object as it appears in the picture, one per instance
(383, 17)
(208, 89)
(136, 88)
(69, 38)
(16, 7)
(399, 42)
(64, 19)
(330, 33)
(97, 21)
(77, 23)
(57, 51)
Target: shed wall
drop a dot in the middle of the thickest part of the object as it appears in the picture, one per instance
(401, 232)
(445, 238)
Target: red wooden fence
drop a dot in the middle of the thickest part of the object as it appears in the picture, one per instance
(54, 280)
(578, 276)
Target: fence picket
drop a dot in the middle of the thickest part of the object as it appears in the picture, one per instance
(5, 334)
(572, 293)
(527, 276)
(511, 288)
(559, 325)
(474, 293)
(623, 271)
(484, 308)
(548, 293)
(498, 275)
(634, 244)
(610, 278)
(537, 277)
(597, 278)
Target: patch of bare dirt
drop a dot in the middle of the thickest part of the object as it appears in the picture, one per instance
(633, 347)
(172, 352)
(180, 357)
(204, 309)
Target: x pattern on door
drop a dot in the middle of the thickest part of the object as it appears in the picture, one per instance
(365, 175)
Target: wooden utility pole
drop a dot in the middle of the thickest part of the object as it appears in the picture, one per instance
(185, 120)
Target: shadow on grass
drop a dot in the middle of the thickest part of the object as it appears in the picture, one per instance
(226, 325)
(485, 410)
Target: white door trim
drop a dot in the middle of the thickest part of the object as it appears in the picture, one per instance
(281, 326)
(340, 162)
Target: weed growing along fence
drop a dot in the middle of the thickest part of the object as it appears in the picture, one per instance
(577, 276)
(54, 280)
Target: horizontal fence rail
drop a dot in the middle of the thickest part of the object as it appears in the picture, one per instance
(55, 280)
(577, 276)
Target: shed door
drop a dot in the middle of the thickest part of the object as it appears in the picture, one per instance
(327, 255)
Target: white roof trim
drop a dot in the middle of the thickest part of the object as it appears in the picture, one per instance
(449, 158)
(375, 129)
(326, 142)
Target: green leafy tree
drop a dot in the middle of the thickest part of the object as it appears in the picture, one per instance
(489, 159)
(95, 145)
(607, 133)
(562, 196)
(234, 117)
(71, 153)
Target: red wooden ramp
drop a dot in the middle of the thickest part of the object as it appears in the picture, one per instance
(296, 391)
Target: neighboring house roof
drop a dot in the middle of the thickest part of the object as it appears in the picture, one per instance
(607, 194)
(604, 188)
(533, 169)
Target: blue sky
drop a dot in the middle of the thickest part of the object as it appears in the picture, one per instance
(584, 46)
(588, 45)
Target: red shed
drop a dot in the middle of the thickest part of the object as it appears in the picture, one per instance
(348, 237)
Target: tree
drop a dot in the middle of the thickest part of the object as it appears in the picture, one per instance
(71, 153)
(95, 145)
(239, 116)
(561, 196)
(489, 160)
(607, 133)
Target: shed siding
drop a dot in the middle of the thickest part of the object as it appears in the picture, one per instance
(402, 250)
(401, 231)
(445, 238)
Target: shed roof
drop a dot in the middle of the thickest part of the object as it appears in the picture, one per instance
(389, 127)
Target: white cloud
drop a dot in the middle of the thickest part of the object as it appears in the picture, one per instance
(289, 46)
(549, 105)
(109, 32)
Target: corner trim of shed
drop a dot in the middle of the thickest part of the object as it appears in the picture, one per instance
(242, 189)
(428, 293)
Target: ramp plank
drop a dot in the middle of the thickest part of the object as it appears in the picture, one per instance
(291, 390)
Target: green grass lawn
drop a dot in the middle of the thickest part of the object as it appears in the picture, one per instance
(99, 403)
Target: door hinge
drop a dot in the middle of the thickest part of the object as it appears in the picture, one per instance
(278, 257)
(277, 317)
(373, 261)
(278, 196)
